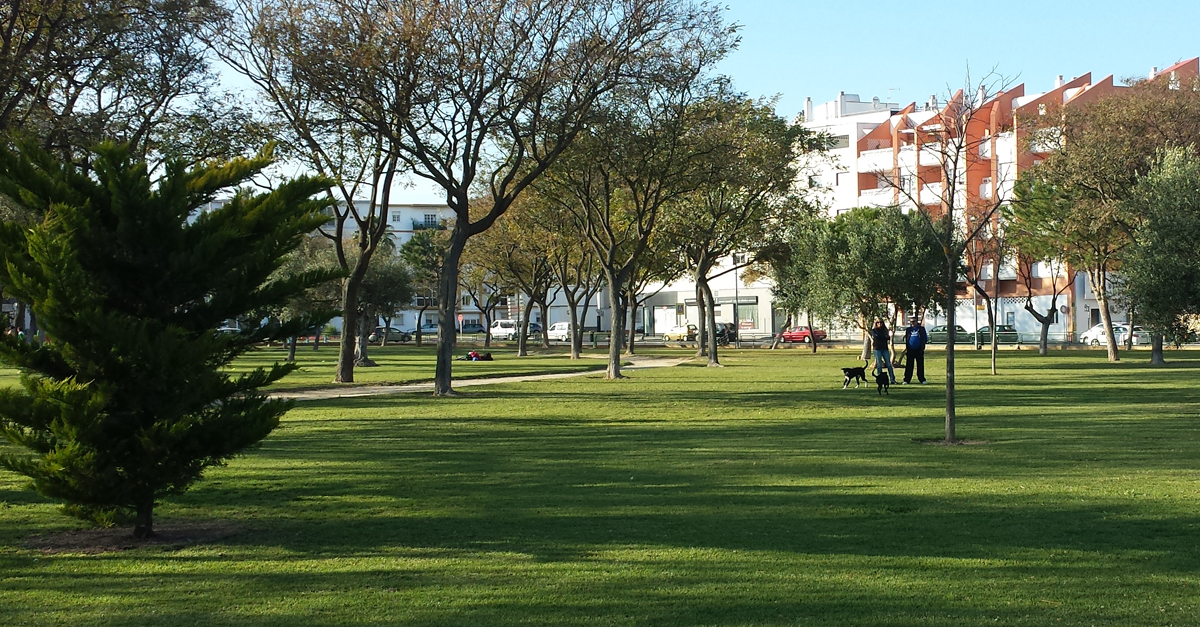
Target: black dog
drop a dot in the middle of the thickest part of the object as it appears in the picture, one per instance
(883, 382)
(855, 375)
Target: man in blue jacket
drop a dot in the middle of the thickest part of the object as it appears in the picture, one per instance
(915, 339)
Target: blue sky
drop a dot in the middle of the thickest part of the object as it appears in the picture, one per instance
(915, 49)
(910, 50)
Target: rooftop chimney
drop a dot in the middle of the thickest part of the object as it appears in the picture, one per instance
(980, 95)
(808, 109)
(1153, 72)
(1058, 81)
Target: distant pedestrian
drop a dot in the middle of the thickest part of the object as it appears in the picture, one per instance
(915, 339)
(880, 343)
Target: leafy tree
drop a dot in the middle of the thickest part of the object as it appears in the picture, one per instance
(313, 253)
(477, 96)
(1100, 152)
(387, 288)
(264, 41)
(1161, 266)
(76, 72)
(864, 260)
(423, 253)
(1038, 239)
(129, 400)
(744, 194)
(644, 153)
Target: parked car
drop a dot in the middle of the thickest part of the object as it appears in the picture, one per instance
(427, 329)
(681, 333)
(559, 331)
(507, 329)
(1005, 334)
(504, 329)
(1095, 335)
(393, 335)
(473, 328)
(800, 334)
(941, 333)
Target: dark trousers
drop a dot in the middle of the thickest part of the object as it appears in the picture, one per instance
(917, 356)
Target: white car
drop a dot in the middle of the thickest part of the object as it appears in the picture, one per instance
(504, 329)
(559, 331)
(1095, 335)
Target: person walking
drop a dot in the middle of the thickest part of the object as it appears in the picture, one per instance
(915, 339)
(880, 341)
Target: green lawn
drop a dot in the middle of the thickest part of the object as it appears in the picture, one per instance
(409, 364)
(757, 494)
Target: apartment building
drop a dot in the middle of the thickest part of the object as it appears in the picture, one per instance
(884, 154)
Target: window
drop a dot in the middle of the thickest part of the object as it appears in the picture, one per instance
(839, 141)
(465, 300)
(431, 220)
(747, 316)
(424, 302)
(395, 216)
(985, 188)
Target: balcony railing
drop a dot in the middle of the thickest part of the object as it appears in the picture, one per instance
(879, 160)
(880, 197)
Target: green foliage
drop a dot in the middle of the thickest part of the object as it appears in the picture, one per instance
(128, 399)
(850, 268)
(1161, 268)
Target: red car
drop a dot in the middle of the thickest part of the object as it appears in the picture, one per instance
(800, 334)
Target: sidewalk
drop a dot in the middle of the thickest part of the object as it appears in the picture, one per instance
(636, 362)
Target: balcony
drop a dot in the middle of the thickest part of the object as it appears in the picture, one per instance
(878, 160)
(881, 197)
(931, 194)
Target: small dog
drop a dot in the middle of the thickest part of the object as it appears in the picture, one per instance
(854, 374)
(882, 382)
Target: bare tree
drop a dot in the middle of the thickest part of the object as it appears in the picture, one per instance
(938, 173)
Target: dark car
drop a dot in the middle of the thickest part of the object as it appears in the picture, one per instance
(472, 328)
(1005, 334)
(941, 333)
(800, 334)
(393, 335)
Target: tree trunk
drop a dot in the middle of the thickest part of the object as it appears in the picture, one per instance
(812, 337)
(143, 526)
(951, 306)
(702, 315)
(447, 301)
(710, 322)
(633, 308)
(1045, 320)
(317, 340)
(1156, 350)
(576, 331)
(1099, 286)
(991, 312)
(387, 329)
(361, 358)
(420, 323)
(787, 324)
(345, 365)
(1129, 336)
(291, 348)
(544, 306)
(523, 329)
(618, 329)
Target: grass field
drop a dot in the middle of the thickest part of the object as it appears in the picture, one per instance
(757, 494)
(399, 365)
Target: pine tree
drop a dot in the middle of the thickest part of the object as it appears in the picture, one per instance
(129, 398)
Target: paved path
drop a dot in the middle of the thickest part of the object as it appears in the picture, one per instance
(636, 363)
